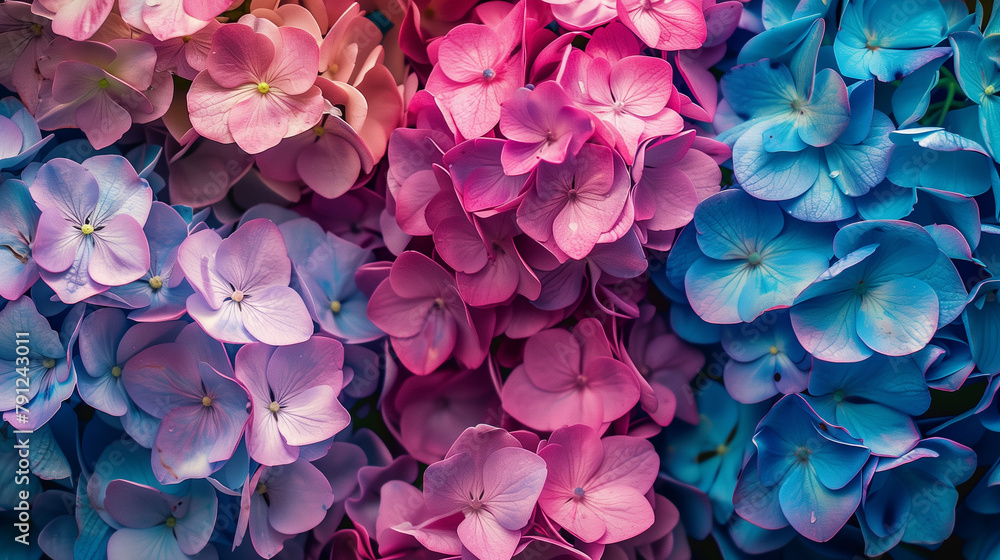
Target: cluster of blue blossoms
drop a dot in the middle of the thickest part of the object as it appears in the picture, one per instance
(846, 286)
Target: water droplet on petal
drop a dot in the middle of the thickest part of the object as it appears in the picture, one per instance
(812, 517)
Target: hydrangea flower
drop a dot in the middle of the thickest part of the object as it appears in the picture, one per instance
(419, 307)
(595, 488)
(161, 526)
(20, 138)
(18, 226)
(935, 158)
(279, 502)
(978, 73)
(250, 93)
(101, 88)
(293, 392)
(161, 293)
(325, 267)
(765, 359)
(752, 258)
(878, 39)
(476, 70)
(26, 37)
(577, 376)
(806, 473)
(578, 203)
(890, 291)
(873, 400)
(493, 483)
(171, 18)
(90, 232)
(541, 125)
(898, 506)
(241, 286)
(50, 378)
(665, 24)
(189, 385)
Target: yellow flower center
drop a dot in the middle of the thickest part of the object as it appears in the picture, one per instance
(207, 401)
(721, 449)
(263, 87)
(87, 229)
(186, 38)
(156, 282)
(274, 407)
(773, 350)
(48, 363)
(171, 521)
(261, 488)
(335, 306)
(990, 90)
(116, 371)
(36, 29)
(238, 296)
(103, 83)
(319, 131)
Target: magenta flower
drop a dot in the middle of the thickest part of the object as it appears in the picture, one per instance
(475, 73)
(629, 95)
(258, 87)
(578, 203)
(293, 390)
(420, 308)
(575, 375)
(596, 488)
(189, 385)
(668, 25)
(241, 286)
(490, 270)
(493, 483)
(90, 233)
(541, 125)
(101, 88)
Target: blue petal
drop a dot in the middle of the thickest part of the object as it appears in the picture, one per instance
(898, 317)
(815, 511)
(982, 326)
(773, 175)
(913, 96)
(886, 201)
(755, 502)
(714, 288)
(883, 430)
(732, 224)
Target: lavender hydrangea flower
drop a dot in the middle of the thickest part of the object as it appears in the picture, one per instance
(90, 232)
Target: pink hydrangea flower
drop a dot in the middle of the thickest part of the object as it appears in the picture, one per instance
(167, 19)
(490, 481)
(578, 203)
(596, 488)
(575, 375)
(631, 96)
(420, 308)
(76, 19)
(541, 125)
(101, 88)
(583, 14)
(25, 37)
(668, 25)
(185, 56)
(476, 72)
(258, 87)
(241, 286)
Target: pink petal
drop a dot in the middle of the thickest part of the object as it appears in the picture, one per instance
(254, 256)
(294, 68)
(277, 316)
(210, 105)
(484, 537)
(642, 84)
(468, 50)
(121, 252)
(239, 56)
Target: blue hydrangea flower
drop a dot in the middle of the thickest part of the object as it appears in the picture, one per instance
(890, 291)
(51, 378)
(18, 225)
(765, 359)
(795, 105)
(709, 454)
(884, 40)
(948, 359)
(20, 138)
(753, 257)
(806, 473)
(912, 499)
(324, 266)
(668, 276)
(775, 13)
(819, 184)
(874, 400)
(977, 67)
(935, 158)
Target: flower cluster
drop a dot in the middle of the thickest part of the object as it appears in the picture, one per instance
(502, 280)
